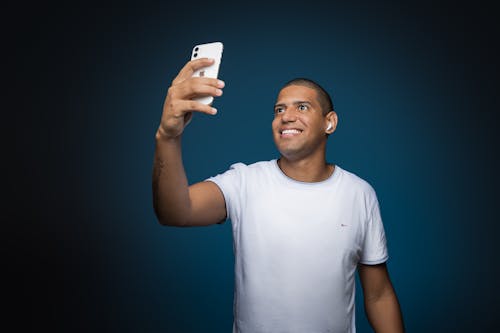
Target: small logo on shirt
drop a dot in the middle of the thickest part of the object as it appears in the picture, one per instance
(343, 225)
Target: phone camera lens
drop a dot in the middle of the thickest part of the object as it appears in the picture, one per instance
(195, 55)
(196, 49)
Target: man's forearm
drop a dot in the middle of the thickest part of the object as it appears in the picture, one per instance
(384, 314)
(170, 185)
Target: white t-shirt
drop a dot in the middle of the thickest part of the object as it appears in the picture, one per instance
(297, 246)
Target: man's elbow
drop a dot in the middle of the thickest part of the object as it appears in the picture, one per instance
(171, 220)
(165, 215)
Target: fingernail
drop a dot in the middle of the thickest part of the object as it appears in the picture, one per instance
(218, 92)
(214, 110)
(220, 83)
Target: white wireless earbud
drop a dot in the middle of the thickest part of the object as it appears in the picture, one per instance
(329, 126)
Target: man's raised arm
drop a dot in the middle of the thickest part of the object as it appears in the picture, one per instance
(174, 201)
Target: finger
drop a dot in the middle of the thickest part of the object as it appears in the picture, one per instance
(197, 87)
(190, 67)
(186, 106)
(209, 81)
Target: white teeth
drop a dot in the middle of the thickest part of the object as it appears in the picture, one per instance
(290, 131)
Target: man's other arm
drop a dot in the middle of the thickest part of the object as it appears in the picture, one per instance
(381, 304)
(174, 201)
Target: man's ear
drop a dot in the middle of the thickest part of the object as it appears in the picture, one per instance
(331, 120)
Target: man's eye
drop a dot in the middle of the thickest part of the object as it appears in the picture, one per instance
(302, 107)
(279, 110)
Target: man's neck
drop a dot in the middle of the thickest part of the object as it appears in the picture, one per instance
(312, 169)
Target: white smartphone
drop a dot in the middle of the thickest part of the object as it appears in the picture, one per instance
(208, 50)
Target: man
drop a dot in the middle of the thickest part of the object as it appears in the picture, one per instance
(301, 226)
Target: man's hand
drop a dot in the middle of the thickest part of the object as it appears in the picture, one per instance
(178, 106)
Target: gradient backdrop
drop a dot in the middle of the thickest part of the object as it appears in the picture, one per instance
(414, 86)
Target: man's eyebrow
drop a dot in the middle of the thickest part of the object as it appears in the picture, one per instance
(294, 103)
(301, 102)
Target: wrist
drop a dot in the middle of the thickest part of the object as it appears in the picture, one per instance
(161, 135)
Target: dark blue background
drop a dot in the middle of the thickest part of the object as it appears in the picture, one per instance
(414, 86)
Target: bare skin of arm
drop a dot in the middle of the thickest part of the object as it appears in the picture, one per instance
(175, 202)
(381, 304)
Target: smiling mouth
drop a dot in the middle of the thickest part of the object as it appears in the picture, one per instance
(290, 132)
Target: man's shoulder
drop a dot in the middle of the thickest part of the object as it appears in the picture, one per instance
(244, 171)
(354, 181)
(255, 166)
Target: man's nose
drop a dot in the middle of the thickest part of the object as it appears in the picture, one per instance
(289, 115)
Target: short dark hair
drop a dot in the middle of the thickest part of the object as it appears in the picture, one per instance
(324, 98)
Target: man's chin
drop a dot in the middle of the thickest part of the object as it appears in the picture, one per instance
(290, 153)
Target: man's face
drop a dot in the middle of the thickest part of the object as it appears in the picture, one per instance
(299, 124)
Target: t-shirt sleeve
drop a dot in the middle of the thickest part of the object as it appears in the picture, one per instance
(230, 184)
(375, 245)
